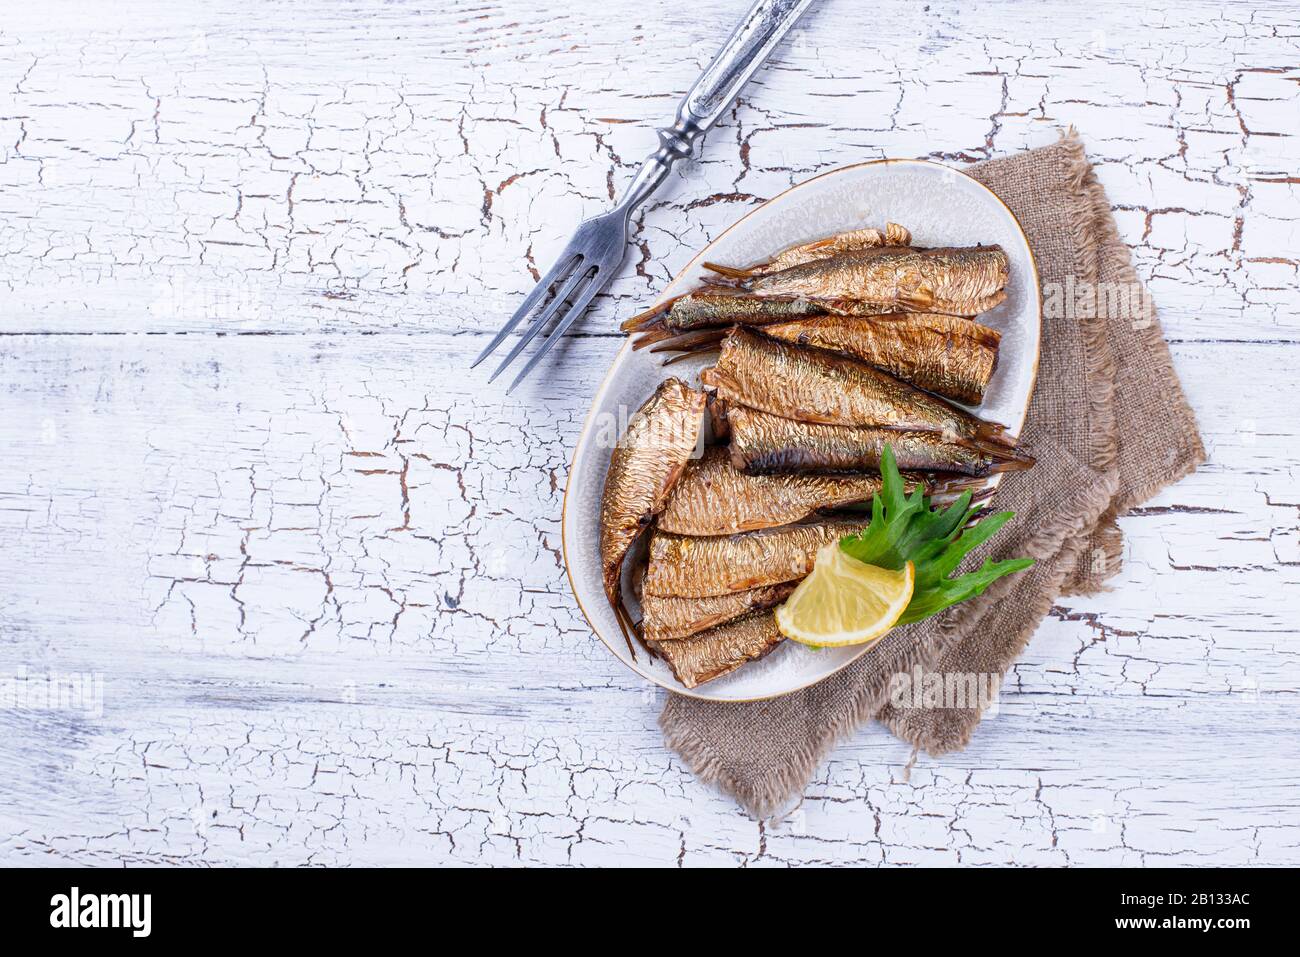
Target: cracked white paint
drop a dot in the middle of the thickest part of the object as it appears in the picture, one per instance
(317, 562)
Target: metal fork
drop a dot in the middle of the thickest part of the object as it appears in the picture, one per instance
(596, 250)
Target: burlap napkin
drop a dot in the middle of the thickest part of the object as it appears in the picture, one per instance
(1104, 361)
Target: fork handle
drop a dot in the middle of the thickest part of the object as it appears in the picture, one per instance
(753, 40)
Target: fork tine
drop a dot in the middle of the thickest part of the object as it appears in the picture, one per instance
(577, 309)
(546, 315)
(557, 272)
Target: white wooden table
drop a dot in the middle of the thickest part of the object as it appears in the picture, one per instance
(246, 482)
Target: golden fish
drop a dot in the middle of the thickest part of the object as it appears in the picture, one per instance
(893, 235)
(712, 498)
(688, 567)
(762, 443)
(950, 356)
(649, 457)
(704, 313)
(665, 618)
(699, 310)
(719, 651)
(819, 386)
(953, 281)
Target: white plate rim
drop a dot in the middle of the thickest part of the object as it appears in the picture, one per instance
(670, 291)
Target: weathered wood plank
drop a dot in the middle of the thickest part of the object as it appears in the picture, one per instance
(236, 555)
(188, 171)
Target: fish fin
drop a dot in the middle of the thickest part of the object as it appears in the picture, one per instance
(672, 360)
(989, 301)
(717, 409)
(650, 336)
(920, 300)
(1005, 458)
(832, 245)
(719, 381)
(836, 307)
(986, 336)
(851, 308)
(614, 595)
(638, 629)
(994, 435)
(896, 235)
(967, 308)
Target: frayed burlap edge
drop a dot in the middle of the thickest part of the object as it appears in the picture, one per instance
(1092, 216)
(1104, 562)
(1107, 238)
(762, 801)
(1105, 558)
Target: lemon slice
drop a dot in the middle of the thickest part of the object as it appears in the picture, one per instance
(845, 601)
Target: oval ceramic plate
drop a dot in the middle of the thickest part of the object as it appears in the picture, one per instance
(942, 207)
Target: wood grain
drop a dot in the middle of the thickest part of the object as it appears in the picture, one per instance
(247, 253)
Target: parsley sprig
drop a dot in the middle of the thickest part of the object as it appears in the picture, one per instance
(906, 528)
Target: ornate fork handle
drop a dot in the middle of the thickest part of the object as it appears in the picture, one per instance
(743, 53)
(595, 252)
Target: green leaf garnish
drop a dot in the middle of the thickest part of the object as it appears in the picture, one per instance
(906, 528)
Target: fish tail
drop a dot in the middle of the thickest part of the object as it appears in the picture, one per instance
(730, 272)
(994, 434)
(647, 319)
(1007, 459)
(992, 440)
(625, 625)
(692, 342)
